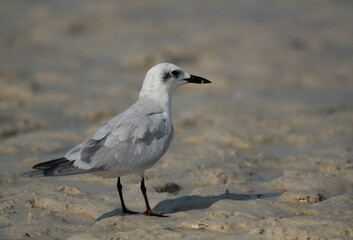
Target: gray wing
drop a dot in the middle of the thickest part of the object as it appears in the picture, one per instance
(132, 141)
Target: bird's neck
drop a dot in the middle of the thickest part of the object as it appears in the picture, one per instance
(162, 99)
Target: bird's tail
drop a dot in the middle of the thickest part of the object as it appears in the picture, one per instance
(56, 167)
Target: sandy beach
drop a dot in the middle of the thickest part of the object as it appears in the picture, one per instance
(264, 152)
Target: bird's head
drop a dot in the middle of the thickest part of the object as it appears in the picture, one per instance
(165, 78)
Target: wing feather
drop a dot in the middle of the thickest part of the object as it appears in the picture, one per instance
(143, 144)
(133, 140)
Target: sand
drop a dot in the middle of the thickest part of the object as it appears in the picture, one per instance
(264, 152)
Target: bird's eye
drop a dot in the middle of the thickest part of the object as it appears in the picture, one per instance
(175, 73)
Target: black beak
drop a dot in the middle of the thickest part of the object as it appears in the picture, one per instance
(196, 79)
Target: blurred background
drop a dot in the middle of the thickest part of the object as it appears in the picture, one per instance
(277, 117)
(67, 65)
(281, 72)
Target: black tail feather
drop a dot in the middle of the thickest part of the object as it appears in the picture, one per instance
(50, 164)
(56, 167)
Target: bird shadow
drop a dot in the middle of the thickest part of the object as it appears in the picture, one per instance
(193, 202)
(115, 212)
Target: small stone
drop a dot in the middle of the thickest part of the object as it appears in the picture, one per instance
(168, 187)
(303, 196)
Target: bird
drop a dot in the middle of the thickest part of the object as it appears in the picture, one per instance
(131, 142)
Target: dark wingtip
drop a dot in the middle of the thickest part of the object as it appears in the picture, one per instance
(49, 164)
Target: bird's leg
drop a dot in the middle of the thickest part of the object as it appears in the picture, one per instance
(123, 207)
(148, 211)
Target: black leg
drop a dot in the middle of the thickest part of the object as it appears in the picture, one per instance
(123, 207)
(148, 211)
